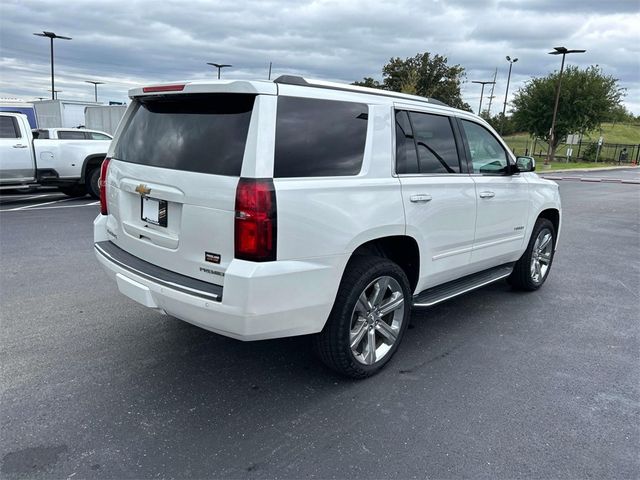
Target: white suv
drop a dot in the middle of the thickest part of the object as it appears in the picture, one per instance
(259, 209)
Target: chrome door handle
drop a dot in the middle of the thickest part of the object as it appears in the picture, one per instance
(487, 194)
(420, 198)
(19, 145)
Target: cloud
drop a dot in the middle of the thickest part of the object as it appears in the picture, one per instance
(125, 44)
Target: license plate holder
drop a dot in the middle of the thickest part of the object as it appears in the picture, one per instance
(154, 211)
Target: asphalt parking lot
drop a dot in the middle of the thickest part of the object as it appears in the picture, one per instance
(495, 384)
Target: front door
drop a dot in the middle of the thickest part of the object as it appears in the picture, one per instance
(16, 160)
(503, 200)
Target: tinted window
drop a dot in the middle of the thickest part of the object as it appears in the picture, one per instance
(99, 136)
(406, 156)
(71, 135)
(41, 134)
(487, 153)
(319, 137)
(436, 144)
(8, 128)
(197, 133)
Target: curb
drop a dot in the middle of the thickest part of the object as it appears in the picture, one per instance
(595, 169)
(592, 180)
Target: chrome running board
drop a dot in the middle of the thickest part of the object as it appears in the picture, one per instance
(448, 290)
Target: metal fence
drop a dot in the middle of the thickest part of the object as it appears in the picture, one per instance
(589, 152)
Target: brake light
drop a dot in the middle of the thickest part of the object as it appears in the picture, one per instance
(102, 183)
(255, 220)
(164, 88)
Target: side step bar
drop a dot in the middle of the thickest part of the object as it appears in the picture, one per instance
(448, 290)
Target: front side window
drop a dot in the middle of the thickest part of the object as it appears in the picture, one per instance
(317, 138)
(71, 135)
(487, 154)
(8, 128)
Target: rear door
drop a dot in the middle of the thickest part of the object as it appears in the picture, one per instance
(16, 153)
(438, 194)
(173, 176)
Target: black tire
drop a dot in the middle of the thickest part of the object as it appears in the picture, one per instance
(92, 182)
(523, 276)
(333, 344)
(74, 191)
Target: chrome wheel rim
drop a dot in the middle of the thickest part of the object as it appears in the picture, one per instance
(541, 255)
(376, 320)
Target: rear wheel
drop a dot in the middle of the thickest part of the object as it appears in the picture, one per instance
(368, 319)
(532, 269)
(74, 190)
(92, 182)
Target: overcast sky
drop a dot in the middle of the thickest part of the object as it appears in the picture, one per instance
(131, 43)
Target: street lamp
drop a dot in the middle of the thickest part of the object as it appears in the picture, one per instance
(51, 36)
(481, 92)
(506, 94)
(552, 131)
(95, 88)
(219, 66)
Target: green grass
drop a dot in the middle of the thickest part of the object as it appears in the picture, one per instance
(540, 167)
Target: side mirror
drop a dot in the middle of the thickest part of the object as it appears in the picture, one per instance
(526, 164)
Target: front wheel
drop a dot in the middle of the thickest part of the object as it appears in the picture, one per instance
(532, 269)
(368, 319)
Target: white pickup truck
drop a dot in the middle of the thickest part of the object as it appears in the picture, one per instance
(72, 165)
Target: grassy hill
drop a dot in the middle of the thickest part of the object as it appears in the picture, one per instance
(613, 134)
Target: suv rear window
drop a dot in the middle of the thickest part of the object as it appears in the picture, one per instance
(316, 138)
(195, 133)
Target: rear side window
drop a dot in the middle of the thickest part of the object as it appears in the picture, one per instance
(42, 134)
(71, 135)
(98, 136)
(317, 138)
(195, 133)
(436, 144)
(406, 156)
(8, 128)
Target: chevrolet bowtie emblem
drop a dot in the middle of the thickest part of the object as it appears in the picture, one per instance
(143, 190)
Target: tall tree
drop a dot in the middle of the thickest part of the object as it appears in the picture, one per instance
(587, 98)
(426, 75)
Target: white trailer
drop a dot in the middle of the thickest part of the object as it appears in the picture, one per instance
(104, 117)
(61, 113)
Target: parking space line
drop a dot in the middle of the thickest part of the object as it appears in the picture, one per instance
(92, 204)
(25, 207)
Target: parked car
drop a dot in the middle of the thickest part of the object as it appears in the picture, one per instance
(260, 209)
(72, 165)
(70, 134)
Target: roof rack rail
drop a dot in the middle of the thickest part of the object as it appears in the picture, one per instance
(302, 82)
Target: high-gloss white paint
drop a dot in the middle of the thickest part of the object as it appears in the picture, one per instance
(320, 221)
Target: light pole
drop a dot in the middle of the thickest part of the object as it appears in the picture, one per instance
(51, 36)
(552, 131)
(219, 66)
(506, 94)
(481, 92)
(95, 88)
(55, 94)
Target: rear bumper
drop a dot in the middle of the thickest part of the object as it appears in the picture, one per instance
(258, 301)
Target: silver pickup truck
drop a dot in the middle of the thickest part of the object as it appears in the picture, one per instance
(73, 165)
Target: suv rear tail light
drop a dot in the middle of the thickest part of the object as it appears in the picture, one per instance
(102, 183)
(255, 220)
